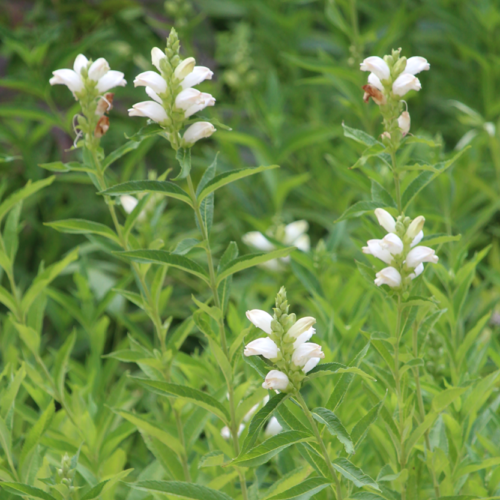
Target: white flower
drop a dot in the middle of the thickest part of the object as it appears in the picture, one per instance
(226, 433)
(306, 351)
(404, 83)
(204, 101)
(386, 220)
(262, 347)
(184, 68)
(273, 428)
(258, 241)
(128, 203)
(197, 131)
(300, 326)
(261, 319)
(295, 234)
(156, 57)
(417, 239)
(404, 122)
(152, 80)
(98, 71)
(192, 101)
(198, 75)
(376, 249)
(393, 243)
(304, 337)
(151, 93)
(388, 276)
(416, 64)
(311, 363)
(374, 80)
(149, 109)
(376, 65)
(276, 380)
(415, 228)
(417, 272)
(419, 255)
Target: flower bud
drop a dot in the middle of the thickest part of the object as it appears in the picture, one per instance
(261, 319)
(262, 347)
(404, 122)
(157, 55)
(273, 428)
(276, 380)
(386, 220)
(184, 68)
(301, 326)
(415, 227)
(388, 276)
(197, 131)
(399, 67)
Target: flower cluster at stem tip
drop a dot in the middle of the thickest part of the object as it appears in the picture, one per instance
(174, 99)
(287, 345)
(399, 249)
(390, 79)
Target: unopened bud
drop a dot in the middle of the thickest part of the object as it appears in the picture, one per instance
(399, 67)
(415, 227)
(184, 68)
(404, 122)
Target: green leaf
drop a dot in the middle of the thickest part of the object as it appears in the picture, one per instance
(446, 397)
(361, 427)
(260, 419)
(438, 239)
(353, 473)
(425, 178)
(207, 205)
(229, 177)
(24, 489)
(224, 288)
(185, 246)
(305, 490)
(381, 196)
(324, 369)
(471, 337)
(7, 299)
(413, 139)
(59, 166)
(169, 259)
(149, 428)
(62, 361)
(193, 395)
(9, 395)
(359, 136)
(212, 459)
(29, 189)
(358, 209)
(251, 260)
(81, 226)
(335, 427)
(45, 278)
(118, 153)
(271, 447)
(95, 491)
(183, 156)
(30, 337)
(180, 489)
(147, 131)
(166, 188)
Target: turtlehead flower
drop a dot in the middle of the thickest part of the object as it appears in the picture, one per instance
(386, 220)
(377, 66)
(419, 255)
(388, 276)
(311, 363)
(128, 203)
(173, 98)
(87, 75)
(276, 380)
(415, 228)
(404, 83)
(301, 326)
(262, 347)
(261, 319)
(404, 122)
(273, 428)
(226, 433)
(304, 352)
(293, 234)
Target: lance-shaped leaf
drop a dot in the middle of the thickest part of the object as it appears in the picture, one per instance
(95, 491)
(251, 260)
(166, 188)
(306, 489)
(23, 490)
(224, 290)
(359, 136)
(168, 259)
(227, 177)
(260, 419)
(358, 209)
(361, 427)
(59, 166)
(183, 156)
(118, 153)
(325, 369)
(62, 361)
(180, 489)
(81, 226)
(7, 299)
(21, 194)
(271, 447)
(193, 395)
(353, 473)
(334, 425)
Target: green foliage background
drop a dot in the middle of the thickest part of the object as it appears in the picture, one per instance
(286, 77)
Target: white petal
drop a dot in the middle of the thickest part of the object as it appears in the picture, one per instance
(393, 243)
(109, 80)
(417, 272)
(417, 239)
(311, 363)
(69, 78)
(258, 241)
(294, 230)
(156, 56)
(304, 337)
(151, 79)
(374, 80)
(404, 83)
(261, 319)
(388, 276)
(204, 101)
(273, 427)
(262, 347)
(404, 122)
(184, 68)
(276, 380)
(421, 254)
(303, 243)
(386, 220)
(301, 326)
(128, 203)
(306, 351)
(149, 109)
(151, 93)
(187, 98)
(376, 249)
(416, 64)
(198, 75)
(376, 65)
(80, 62)
(98, 69)
(197, 131)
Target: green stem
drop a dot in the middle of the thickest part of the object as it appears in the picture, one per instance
(396, 181)
(319, 439)
(213, 287)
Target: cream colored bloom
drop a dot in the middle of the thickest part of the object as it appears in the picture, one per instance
(388, 276)
(197, 131)
(262, 347)
(276, 380)
(404, 122)
(416, 64)
(261, 319)
(376, 65)
(305, 352)
(386, 220)
(149, 109)
(301, 326)
(404, 83)
(418, 255)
